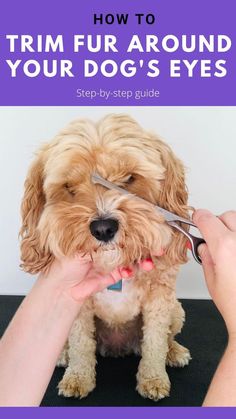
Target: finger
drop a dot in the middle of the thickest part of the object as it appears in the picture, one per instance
(146, 264)
(106, 281)
(126, 272)
(159, 252)
(207, 263)
(83, 257)
(115, 275)
(76, 264)
(84, 289)
(229, 219)
(94, 283)
(211, 227)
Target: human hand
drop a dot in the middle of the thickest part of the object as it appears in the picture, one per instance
(77, 276)
(219, 261)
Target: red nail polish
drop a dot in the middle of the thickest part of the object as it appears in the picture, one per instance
(147, 264)
(126, 272)
(188, 245)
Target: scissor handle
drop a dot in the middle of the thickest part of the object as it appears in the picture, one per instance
(171, 219)
(195, 242)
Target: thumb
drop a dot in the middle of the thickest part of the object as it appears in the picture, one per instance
(94, 283)
(207, 262)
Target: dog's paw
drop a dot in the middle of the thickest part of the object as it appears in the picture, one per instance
(154, 388)
(73, 385)
(178, 355)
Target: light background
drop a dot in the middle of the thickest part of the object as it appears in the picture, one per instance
(204, 138)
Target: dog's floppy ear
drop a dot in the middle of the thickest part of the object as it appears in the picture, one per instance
(174, 197)
(34, 258)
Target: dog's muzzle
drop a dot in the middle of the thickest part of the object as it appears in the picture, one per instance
(104, 229)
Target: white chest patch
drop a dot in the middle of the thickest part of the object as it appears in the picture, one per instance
(118, 307)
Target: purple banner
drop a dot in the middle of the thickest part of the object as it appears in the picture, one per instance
(117, 412)
(90, 53)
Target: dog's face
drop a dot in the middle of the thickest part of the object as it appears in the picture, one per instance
(64, 212)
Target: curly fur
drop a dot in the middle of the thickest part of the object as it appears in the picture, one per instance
(58, 206)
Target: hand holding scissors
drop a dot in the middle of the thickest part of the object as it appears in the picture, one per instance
(171, 218)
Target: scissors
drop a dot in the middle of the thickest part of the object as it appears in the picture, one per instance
(171, 218)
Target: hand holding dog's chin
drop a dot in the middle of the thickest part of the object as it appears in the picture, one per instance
(77, 278)
(69, 276)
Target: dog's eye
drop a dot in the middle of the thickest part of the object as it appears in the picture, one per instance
(130, 180)
(69, 189)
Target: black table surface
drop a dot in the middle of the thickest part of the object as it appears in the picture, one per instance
(203, 333)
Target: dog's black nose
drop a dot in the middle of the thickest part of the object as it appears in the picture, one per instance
(104, 229)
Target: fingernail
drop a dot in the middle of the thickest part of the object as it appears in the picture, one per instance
(126, 272)
(147, 264)
(160, 252)
(188, 245)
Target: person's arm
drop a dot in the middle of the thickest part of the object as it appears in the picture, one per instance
(32, 343)
(222, 390)
(218, 259)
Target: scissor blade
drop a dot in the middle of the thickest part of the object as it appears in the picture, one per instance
(169, 216)
(109, 185)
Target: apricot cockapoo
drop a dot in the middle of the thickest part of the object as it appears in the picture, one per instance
(64, 213)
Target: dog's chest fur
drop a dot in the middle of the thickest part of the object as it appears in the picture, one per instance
(116, 307)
